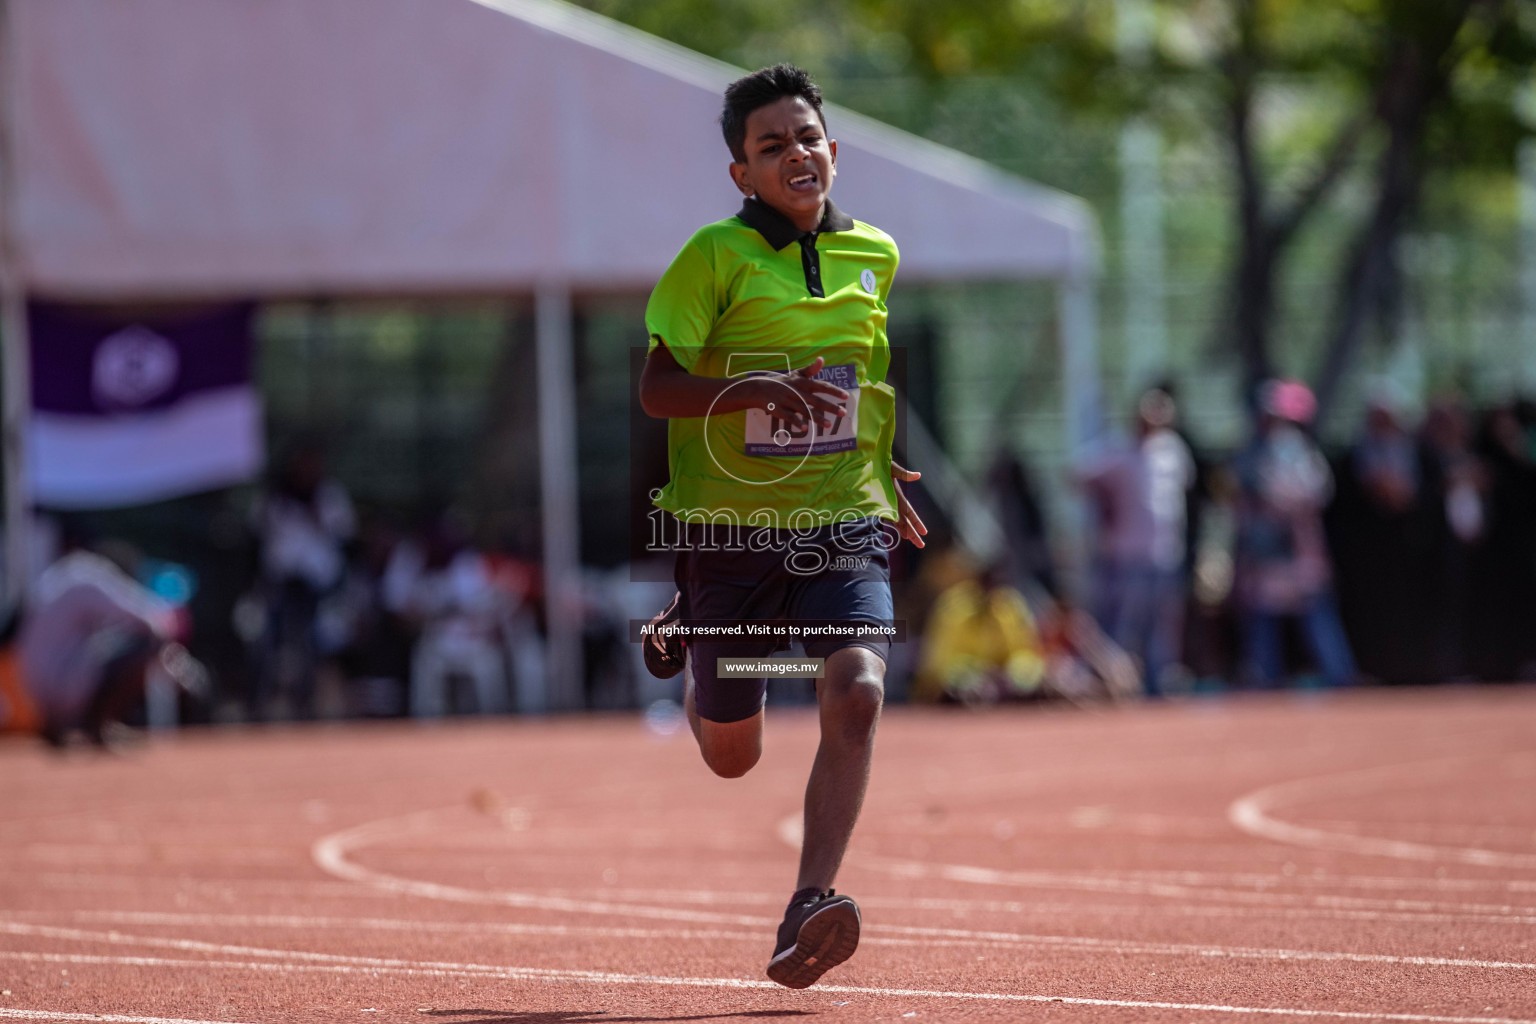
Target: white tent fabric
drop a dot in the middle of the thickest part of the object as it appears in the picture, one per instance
(176, 147)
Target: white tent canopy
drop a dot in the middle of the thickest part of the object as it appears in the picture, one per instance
(184, 148)
(168, 147)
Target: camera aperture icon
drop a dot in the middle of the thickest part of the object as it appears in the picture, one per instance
(725, 433)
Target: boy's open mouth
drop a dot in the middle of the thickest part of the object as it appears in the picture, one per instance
(802, 182)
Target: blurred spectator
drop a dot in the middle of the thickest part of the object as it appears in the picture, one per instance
(1462, 478)
(1081, 663)
(980, 645)
(88, 636)
(1460, 485)
(303, 522)
(19, 712)
(1018, 509)
(1283, 569)
(521, 585)
(608, 662)
(446, 586)
(368, 644)
(1212, 634)
(1387, 460)
(1385, 532)
(1140, 492)
(1503, 602)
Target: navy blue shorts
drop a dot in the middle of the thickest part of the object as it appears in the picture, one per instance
(836, 573)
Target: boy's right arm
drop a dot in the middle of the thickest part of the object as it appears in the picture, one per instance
(669, 391)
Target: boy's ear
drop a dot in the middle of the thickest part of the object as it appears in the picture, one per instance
(739, 176)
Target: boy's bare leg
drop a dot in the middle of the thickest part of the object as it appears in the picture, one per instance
(729, 748)
(850, 696)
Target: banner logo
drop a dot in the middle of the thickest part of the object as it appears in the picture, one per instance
(133, 367)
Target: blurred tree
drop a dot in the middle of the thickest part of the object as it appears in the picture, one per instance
(1316, 103)
(1430, 86)
(1447, 77)
(1308, 95)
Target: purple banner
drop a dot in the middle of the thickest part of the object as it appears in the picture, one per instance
(129, 410)
(94, 361)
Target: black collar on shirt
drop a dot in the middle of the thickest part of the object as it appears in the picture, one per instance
(778, 230)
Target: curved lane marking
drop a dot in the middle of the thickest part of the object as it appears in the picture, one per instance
(1252, 814)
(374, 966)
(330, 854)
(331, 851)
(789, 832)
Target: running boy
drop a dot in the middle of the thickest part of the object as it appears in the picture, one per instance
(768, 356)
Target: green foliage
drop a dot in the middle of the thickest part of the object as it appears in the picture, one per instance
(1041, 88)
(1312, 63)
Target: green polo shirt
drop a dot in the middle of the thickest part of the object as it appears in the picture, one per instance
(754, 294)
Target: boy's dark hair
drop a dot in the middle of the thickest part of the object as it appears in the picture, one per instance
(759, 89)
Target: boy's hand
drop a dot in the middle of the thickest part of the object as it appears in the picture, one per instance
(821, 396)
(909, 525)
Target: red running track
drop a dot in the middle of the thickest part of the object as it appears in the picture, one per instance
(1360, 857)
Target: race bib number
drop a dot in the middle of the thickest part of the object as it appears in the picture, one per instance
(769, 435)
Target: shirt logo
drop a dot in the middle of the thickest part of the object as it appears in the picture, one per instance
(867, 279)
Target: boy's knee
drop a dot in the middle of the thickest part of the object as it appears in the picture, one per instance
(730, 749)
(732, 764)
(853, 698)
(860, 701)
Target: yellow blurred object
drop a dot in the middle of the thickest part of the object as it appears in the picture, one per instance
(979, 639)
(18, 711)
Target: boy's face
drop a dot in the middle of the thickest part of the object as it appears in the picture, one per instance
(790, 161)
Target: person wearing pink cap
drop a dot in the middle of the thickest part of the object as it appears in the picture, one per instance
(1283, 566)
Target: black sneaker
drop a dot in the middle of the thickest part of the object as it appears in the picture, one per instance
(820, 931)
(665, 652)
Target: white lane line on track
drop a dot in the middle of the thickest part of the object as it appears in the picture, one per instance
(1275, 879)
(79, 881)
(1257, 880)
(9, 1014)
(331, 852)
(1251, 813)
(789, 831)
(492, 972)
(349, 891)
(922, 937)
(1057, 880)
(330, 855)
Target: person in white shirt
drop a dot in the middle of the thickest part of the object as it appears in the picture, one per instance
(446, 587)
(1139, 490)
(304, 520)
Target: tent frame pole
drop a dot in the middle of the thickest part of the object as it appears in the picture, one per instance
(558, 494)
(13, 450)
(1081, 402)
(1082, 408)
(15, 344)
